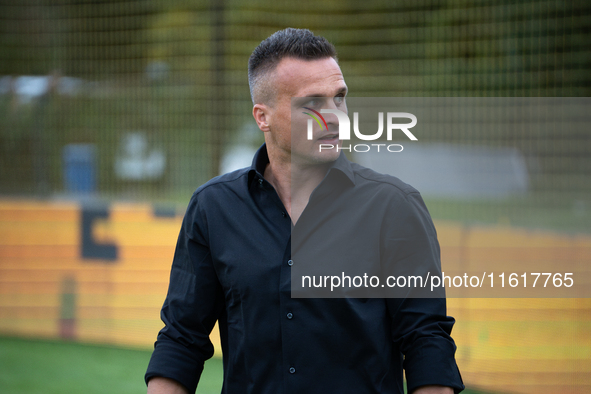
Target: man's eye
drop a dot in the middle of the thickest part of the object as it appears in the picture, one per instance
(339, 100)
(312, 103)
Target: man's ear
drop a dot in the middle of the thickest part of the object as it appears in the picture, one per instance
(260, 112)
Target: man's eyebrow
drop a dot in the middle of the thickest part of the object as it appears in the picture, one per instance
(341, 90)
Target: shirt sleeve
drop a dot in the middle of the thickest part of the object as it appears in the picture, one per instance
(421, 327)
(192, 306)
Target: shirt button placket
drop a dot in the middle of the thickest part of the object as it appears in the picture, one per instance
(289, 316)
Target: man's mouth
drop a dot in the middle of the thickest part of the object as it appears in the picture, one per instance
(329, 137)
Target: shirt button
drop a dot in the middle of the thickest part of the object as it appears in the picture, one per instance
(290, 315)
(291, 370)
(289, 262)
(261, 181)
(283, 214)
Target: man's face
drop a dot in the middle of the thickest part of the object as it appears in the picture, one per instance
(302, 86)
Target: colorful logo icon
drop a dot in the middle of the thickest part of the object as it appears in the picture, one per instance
(316, 118)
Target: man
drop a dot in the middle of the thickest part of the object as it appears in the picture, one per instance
(233, 260)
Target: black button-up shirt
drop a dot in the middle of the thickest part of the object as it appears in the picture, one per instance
(233, 263)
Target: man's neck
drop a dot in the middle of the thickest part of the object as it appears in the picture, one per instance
(294, 183)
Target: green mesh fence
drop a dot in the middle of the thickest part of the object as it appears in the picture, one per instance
(145, 100)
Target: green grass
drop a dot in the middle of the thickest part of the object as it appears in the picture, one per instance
(48, 367)
(44, 366)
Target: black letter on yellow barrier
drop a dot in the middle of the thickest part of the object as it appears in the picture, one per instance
(89, 248)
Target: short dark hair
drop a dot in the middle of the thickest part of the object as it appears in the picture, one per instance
(290, 42)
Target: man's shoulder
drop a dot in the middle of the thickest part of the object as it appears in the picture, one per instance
(231, 181)
(365, 176)
(389, 192)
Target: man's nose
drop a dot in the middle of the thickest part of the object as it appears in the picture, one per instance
(330, 118)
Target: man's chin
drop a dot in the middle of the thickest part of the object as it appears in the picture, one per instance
(325, 156)
(315, 158)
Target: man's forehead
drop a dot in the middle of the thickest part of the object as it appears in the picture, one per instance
(300, 78)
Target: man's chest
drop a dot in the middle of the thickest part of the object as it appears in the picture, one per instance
(249, 242)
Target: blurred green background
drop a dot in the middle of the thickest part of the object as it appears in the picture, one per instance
(167, 81)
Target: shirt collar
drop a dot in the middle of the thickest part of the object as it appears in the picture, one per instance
(259, 163)
(261, 159)
(343, 165)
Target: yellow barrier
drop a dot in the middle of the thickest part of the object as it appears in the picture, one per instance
(520, 345)
(100, 274)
